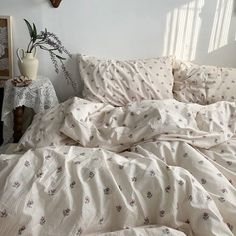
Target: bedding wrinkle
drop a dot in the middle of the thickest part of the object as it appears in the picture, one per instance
(154, 167)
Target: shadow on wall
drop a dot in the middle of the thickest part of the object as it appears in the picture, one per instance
(186, 38)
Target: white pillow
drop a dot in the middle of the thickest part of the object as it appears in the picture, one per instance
(203, 84)
(118, 82)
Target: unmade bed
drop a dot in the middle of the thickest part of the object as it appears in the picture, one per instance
(144, 162)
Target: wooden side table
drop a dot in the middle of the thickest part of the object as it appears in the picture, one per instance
(18, 123)
(39, 95)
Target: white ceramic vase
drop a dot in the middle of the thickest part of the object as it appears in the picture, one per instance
(28, 63)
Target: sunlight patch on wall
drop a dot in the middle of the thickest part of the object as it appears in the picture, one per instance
(182, 30)
(221, 24)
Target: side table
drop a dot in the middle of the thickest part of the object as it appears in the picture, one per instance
(39, 95)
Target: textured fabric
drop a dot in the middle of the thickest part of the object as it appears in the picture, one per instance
(39, 95)
(91, 124)
(119, 82)
(171, 172)
(203, 84)
(78, 191)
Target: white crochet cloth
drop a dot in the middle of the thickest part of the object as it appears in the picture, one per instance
(39, 95)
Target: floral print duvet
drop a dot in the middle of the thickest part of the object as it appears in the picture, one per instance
(150, 168)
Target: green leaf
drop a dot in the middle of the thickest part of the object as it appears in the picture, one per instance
(30, 29)
(45, 34)
(34, 33)
(61, 58)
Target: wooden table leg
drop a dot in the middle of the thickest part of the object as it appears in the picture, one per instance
(18, 123)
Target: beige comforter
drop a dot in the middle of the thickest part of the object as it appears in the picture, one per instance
(151, 168)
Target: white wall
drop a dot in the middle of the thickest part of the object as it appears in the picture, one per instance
(199, 30)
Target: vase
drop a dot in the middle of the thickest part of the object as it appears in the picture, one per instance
(28, 63)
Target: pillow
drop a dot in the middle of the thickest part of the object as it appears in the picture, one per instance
(203, 84)
(119, 82)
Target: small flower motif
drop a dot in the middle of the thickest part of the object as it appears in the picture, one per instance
(230, 227)
(39, 175)
(27, 164)
(132, 202)
(59, 169)
(77, 162)
(152, 173)
(166, 231)
(146, 221)
(91, 174)
(208, 198)
(181, 182)
(3, 213)
(229, 163)
(221, 199)
(149, 195)
(219, 174)
(42, 220)
(190, 198)
(167, 189)
(91, 138)
(21, 229)
(66, 212)
(131, 136)
(16, 184)
(162, 213)
(73, 183)
(134, 179)
(101, 221)
(30, 203)
(51, 192)
(203, 181)
(224, 190)
(79, 232)
(205, 216)
(200, 162)
(107, 191)
(47, 157)
(119, 208)
(187, 221)
(121, 167)
(185, 155)
(87, 200)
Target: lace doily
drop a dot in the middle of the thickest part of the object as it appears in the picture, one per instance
(39, 95)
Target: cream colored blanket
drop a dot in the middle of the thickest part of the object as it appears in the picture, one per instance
(151, 168)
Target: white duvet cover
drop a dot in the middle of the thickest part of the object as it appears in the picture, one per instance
(151, 168)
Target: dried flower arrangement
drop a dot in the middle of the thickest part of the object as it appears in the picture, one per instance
(49, 42)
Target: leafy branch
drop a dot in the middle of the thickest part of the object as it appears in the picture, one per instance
(49, 42)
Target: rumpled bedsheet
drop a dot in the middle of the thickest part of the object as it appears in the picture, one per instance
(150, 168)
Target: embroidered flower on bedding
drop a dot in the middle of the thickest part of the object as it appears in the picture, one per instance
(118, 82)
(203, 84)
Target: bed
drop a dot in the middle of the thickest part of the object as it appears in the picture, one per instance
(129, 158)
